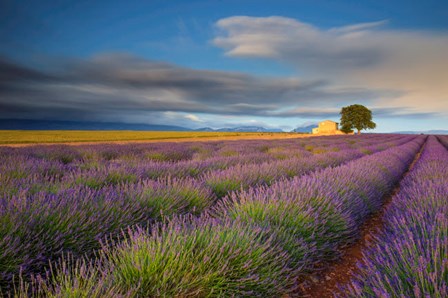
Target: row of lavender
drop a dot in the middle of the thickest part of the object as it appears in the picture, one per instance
(175, 152)
(23, 173)
(410, 258)
(39, 165)
(39, 226)
(443, 140)
(92, 156)
(253, 243)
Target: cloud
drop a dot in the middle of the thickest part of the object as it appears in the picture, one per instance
(412, 62)
(378, 112)
(10, 72)
(193, 118)
(111, 86)
(303, 44)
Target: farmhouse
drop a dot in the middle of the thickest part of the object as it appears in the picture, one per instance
(327, 127)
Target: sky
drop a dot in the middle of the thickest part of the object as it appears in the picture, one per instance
(277, 64)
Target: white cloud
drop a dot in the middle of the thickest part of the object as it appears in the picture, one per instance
(193, 118)
(369, 55)
(294, 41)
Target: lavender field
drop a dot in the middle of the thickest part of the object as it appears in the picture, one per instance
(222, 218)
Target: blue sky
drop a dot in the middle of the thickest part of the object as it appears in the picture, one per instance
(223, 63)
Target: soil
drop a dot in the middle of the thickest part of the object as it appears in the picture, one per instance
(327, 283)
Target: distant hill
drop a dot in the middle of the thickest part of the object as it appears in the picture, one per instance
(23, 124)
(244, 129)
(204, 129)
(426, 132)
(28, 124)
(241, 129)
(305, 128)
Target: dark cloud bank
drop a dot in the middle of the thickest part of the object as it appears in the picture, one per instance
(124, 87)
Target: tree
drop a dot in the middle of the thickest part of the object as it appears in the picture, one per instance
(356, 116)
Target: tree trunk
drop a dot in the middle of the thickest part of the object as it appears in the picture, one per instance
(359, 132)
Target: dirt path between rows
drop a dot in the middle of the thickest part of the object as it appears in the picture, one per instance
(168, 140)
(326, 283)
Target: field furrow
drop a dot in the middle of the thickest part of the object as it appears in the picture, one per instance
(409, 257)
(327, 283)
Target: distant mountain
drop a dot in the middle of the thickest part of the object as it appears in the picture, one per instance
(426, 132)
(241, 129)
(26, 124)
(204, 129)
(249, 129)
(305, 129)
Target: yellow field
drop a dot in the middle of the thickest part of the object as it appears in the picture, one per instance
(83, 136)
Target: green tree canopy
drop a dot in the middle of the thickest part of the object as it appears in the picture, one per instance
(356, 116)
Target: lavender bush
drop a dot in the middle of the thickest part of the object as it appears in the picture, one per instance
(188, 257)
(410, 257)
(323, 210)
